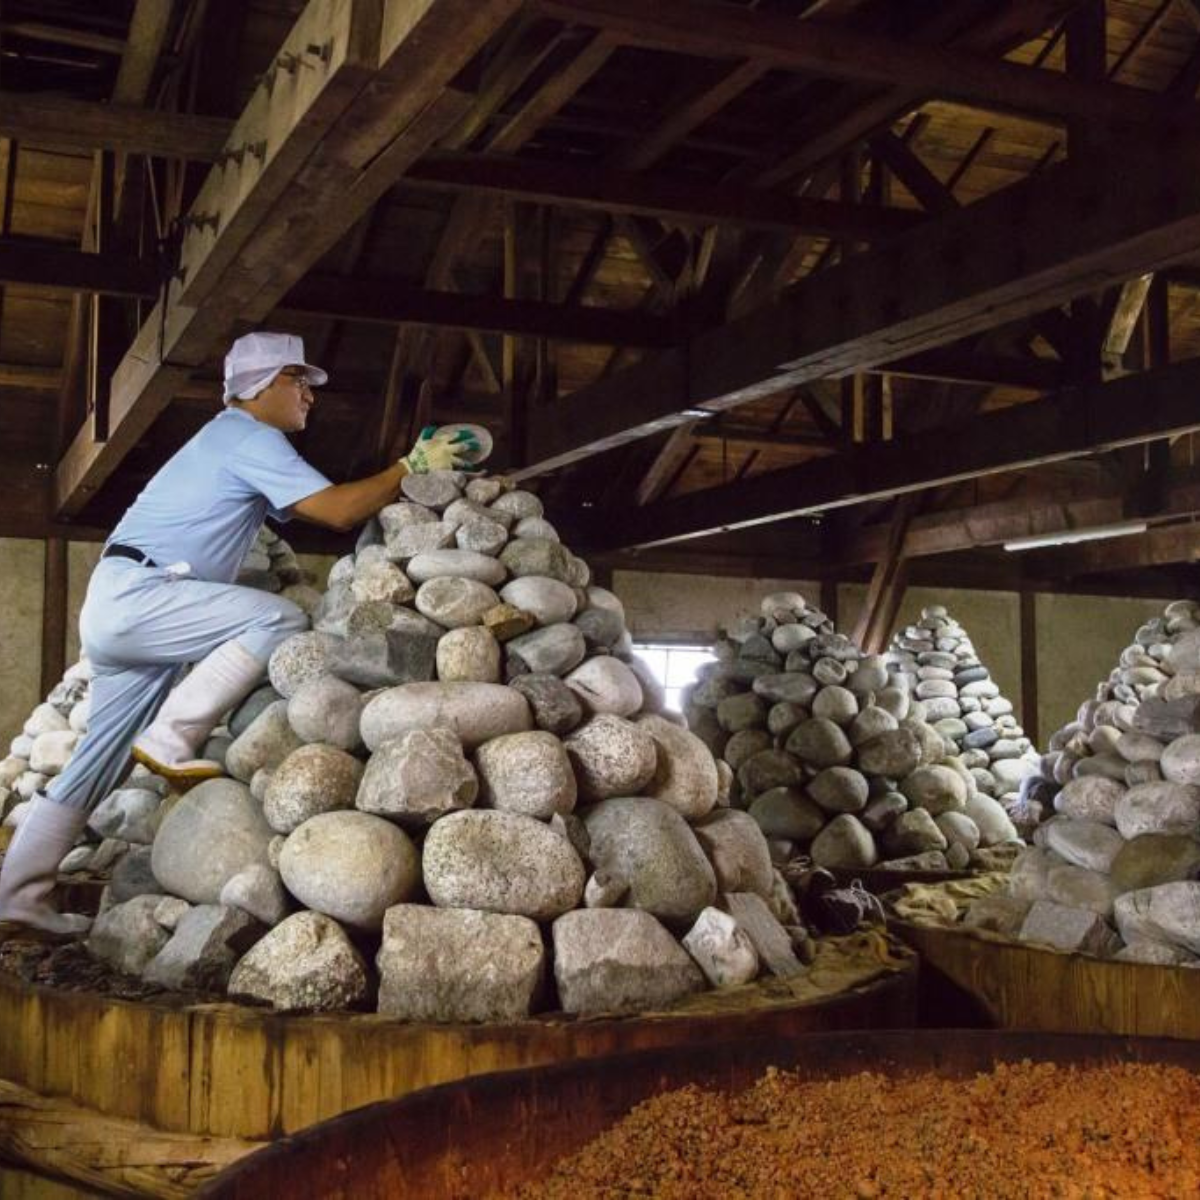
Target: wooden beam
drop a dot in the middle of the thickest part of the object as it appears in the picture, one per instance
(834, 51)
(1016, 253)
(1157, 547)
(62, 269)
(55, 121)
(30, 377)
(324, 136)
(389, 302)
(1079, 421)
(669, 197)
(886, 589)
(951, 364)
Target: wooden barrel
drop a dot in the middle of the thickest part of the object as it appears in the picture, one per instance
(241, 1072)
(465, 1139)
(976, 978)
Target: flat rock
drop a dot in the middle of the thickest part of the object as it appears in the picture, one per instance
(611, 757)
(221, 816)
(1090, 798)
(527, 773)
(519, 504)
(203, 949)
(792, 687)
(650, 847)
(501, 862)
(1087, 844)
(406, 541)
(1071, 929)
(1158, 808)
(1155, 858)
(476, 712)
(550, 650)
(305, 964)
(619, 960)
(551, 601)
(457, 964)
(350, 866)
(454, 602)
(458, 564)
(417, 777)
(1169, 913)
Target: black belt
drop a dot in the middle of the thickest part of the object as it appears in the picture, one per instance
(116, 550)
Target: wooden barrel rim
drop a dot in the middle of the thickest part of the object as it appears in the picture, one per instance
(236, 1071)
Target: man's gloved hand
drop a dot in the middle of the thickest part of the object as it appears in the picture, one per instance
(432, 453)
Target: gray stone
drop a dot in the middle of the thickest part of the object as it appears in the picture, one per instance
(893, 754)
(1158, 808)
(555, 707)
(550, 650)
(455, 602)
(685, 775)
(1072, 929)
(484, 490)
(456, 564)
(326, 709)
(606, 685)
(133, 876)
(1155, 858)
(601, 627)
(201, 953)
(518, 504)
(433, 489)
(743, 711)
(169, 911)
(408, 540)
(959, 830)
(51, 751)
(249, 708)
(649, 845)
(128, 813)
(1167, 720)
(395, 517)
(766, 770)
(481, 536)
(549, 600)
(611, 757)
(535, 527)
(381, 581)
(792, 687)
(1180, 762)
(882, 811)
(526, 773)
(311, 780)
(820, 743)
(839, 790)
(785, 812)
(1077, 887)
(1169, 913)
(417, 777)
(476, 712)
(300, 657)
(783, 717)
(914, 832)
(937, 789)
(538, 556)
(1090, 798)
(501, 862)
(844, 842)
(221, 816)
(384, 659)
(1087, 844)
(457, 964)
(743, 746)
(469, 654)
(257, 890)
(127, 936)
(722, 949)
(305, 964)
(350, 866)
(837, 704)
(619, 960)
(738, 851)
(871, 723)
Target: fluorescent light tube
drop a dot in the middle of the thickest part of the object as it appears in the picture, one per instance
(1069, 536)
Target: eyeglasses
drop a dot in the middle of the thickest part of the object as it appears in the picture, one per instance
(299, 378)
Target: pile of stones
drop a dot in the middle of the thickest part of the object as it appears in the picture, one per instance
(1115, 813)
(458, 799)
(55, 727)
(963, 702)
(833, 756)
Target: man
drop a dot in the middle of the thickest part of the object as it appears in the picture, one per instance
(162, 596)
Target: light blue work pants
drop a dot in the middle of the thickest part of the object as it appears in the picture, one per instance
(138, 626)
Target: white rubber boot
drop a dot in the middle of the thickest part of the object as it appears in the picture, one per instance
(46, 833)
(190, 713)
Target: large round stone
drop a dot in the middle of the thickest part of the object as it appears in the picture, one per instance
(937, 789)
(1164, 807)
(786, 812)
(744, 710)
(501, 862)
(267, 741)
(1090, 798)
(305, 964)
(913, 832)
(846, 843)
(1180, 762)
(601, 627)
(433, 489)
(839, 790)
(549, 600)
(892, 754)
(837, 704)
(350, 866)
(476, 712)
(458, 564)
(311, 780)
(538, 556)
(611, 757)
(526, 773)
(417, 777)
(648, 846)
(685, 776)
(214, 832)
(470, 654)
(995, 825)
(555, 707)
(820, 743)
(791, 687)
(518, 504)
(871, 723)
(551, 650)
(455, 602)
(766, 770)
(1155, 858)
(301, 657)
(326, 709)
(743, 746)
(606, 685)
(1087, 844)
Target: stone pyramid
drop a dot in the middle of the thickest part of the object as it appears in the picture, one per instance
(963, 702)
(1116, 858)
(457, 799)
(833, 756)
(52, 731)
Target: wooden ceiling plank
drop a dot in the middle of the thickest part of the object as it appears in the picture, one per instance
(1016, 253)
(1078, 421)
(358, 139)
(834, 51)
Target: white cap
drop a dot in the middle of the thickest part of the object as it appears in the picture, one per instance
(254, 360)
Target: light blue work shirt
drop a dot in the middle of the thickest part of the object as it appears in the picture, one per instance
(207, 502)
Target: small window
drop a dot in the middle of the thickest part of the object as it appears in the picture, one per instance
(674, 666)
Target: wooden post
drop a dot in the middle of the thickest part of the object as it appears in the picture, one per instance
(54, 613)
(1029, 667)
(888, 581)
